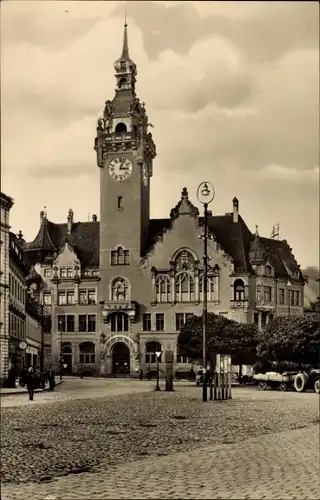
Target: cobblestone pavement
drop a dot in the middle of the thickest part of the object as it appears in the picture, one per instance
(159, 445)
(282, 465)
(76, 388)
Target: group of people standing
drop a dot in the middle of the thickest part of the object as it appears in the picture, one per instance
(32, 381)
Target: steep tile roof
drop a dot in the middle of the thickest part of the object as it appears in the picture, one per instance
(234, 238)
(85, 238)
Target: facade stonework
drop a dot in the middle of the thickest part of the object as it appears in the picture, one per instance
(120, 289)
(6, 204)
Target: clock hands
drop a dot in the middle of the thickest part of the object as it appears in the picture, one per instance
(121, 165)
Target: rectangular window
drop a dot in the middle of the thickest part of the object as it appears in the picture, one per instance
(91, 323)
(63, 272)
(258, 293)
(267, 293)
(70, 323)
(62, 298)
(159, 322)
(87, 358)
(47, 272)
(126, 257)
(47, 298)
(92, 299)
(297, 298)
(82, 323)
(120, 257)
(281, 296)
(61, 323)
(146, 322)
(179, 321)
(70, 298)
(69, 272)
(83, 296)
(120, 203)
(113, 258)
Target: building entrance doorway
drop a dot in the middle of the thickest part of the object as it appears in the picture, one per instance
(121, 359)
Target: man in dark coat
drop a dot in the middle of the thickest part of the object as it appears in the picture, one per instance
(31, 382)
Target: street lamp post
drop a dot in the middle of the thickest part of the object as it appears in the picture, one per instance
(158, 354)
(205, 194)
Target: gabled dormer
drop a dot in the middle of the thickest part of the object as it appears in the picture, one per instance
(257, 252)
(67, 264)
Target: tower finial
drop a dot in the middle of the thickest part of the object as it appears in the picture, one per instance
(125, 16)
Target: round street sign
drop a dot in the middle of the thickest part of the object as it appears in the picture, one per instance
(23, 345)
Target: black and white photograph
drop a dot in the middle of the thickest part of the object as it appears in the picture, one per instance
(159, 271)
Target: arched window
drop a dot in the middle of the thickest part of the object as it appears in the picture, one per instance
(184, 288)
(151, 349)
(268, 270)
(123, 82)
(121, 128)
(238, 290)
(119, 290)
(120, 257)
(119, 322)
(66, 348)
(184, 260)
(87, 352)
(163, 287)
(210, 288)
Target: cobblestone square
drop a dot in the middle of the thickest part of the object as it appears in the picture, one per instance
(119, 439)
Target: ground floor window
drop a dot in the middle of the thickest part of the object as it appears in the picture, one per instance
(87, 352)
(151, 349)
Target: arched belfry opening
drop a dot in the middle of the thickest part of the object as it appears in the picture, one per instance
(121, 128)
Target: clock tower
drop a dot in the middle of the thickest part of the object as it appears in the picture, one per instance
(125, 152)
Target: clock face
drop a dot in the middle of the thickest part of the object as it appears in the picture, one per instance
(120, 168)
(145, 174)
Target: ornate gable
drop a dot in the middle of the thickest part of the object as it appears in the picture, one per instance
(67, 256)
(184, 207)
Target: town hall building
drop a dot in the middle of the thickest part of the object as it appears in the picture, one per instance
(120, 289)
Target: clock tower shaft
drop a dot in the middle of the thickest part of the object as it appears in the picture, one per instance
(125, 152)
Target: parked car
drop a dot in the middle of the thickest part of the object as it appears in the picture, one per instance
(182, 374)
(307, 380)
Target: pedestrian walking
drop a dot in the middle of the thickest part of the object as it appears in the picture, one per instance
(31, 382)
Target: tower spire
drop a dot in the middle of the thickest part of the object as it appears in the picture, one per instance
(126, 69)
(125, 47)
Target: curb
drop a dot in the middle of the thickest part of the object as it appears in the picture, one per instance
(25, 391)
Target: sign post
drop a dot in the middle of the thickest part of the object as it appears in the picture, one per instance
(158, 354)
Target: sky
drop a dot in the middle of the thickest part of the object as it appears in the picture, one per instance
(232, 89)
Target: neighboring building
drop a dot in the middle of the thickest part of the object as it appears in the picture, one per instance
(6, 204)
(123, 287)
(17, 305)
(33, 333)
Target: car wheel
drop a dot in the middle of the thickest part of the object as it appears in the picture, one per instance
(283, 386)
(317, 386)
(300, 382)
(263, 386)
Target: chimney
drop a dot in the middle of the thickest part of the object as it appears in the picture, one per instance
(235, 212)
(70, 221)
(94, 218)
